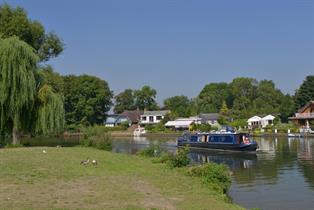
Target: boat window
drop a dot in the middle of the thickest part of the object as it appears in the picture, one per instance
(186, 136)
(194, 138)
(215, 138)
(228, 139)
(222, 139)
(211, 139)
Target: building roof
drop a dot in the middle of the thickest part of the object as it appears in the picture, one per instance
(193, 118)
(116, 118)
(302, 109)
(268, 117)
(179, 123)
(112, 119)
(133, 115)
(209, 116)
(156, 112)
(254, 119)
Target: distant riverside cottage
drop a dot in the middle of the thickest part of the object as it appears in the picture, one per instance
(117, 119)
(133, 115)
(153, 117)
(304, 116)
(183, 123)
(259, 122)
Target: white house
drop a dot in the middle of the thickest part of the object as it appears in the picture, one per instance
(183, 123)
(267, 120)
(258, 122)
(254, 122)
(153, 117)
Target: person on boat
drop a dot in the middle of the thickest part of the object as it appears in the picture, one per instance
(246, 140)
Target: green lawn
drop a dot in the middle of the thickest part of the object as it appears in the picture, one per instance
(31, 179)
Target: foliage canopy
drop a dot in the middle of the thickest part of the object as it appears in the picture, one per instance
(87, 99)
(14, 22)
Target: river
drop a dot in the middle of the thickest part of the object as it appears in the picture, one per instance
(279, 176)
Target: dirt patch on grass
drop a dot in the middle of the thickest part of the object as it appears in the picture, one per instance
(151, 196)
(107, 192)
(57, 194)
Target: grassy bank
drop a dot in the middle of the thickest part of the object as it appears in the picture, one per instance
(31, 179)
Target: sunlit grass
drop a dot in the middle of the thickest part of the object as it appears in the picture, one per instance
(31, 179)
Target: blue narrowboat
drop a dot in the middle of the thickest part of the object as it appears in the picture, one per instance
(218, 140)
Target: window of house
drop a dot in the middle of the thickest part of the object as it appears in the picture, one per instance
(144, 118)
(158, 117)
(151, 118)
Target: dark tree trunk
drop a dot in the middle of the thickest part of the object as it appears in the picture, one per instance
(15, 137)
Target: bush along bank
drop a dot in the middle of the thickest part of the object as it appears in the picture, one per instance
(213, 175)
(97, 138)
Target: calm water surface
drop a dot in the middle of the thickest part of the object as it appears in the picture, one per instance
(279, 176)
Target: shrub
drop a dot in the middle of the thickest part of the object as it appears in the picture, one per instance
(216, 176)
(13, 145)
(165, 157)
(103, 142)
(86, 142)
(239, 123)
(214, 128)
(160, 127)
(73, 128)
(180, 159)
(98, 137)
(151, 151)
(94, 130)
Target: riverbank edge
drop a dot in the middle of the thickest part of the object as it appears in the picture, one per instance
(122, 164)
(176, 135)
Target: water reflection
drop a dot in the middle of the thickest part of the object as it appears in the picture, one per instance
(234, 160)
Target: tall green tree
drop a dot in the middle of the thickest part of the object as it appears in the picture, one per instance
(49, 111)
(28, 104)
(286, 108)
(17, 85)
(49, 102)
(124, 101)
(243, 91)
(178, 105)
(14, 22)
(87, 99)
(268, 99)
(212, 97)
(46, 75)
(305, 93)
(145, 98)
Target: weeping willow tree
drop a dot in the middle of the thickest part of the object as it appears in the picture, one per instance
(50, 116)
(17, 84)
(27, 104)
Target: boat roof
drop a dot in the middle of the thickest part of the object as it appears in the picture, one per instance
(219, 133)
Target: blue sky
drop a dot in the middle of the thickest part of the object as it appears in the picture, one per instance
(179, 46)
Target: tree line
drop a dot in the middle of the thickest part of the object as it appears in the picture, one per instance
(239, 99)
(36, 100)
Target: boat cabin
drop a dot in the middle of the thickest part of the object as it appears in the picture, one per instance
(217, 138)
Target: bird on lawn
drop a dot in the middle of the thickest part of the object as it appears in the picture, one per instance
(94, 162)
(85, 162)
(44, 151)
